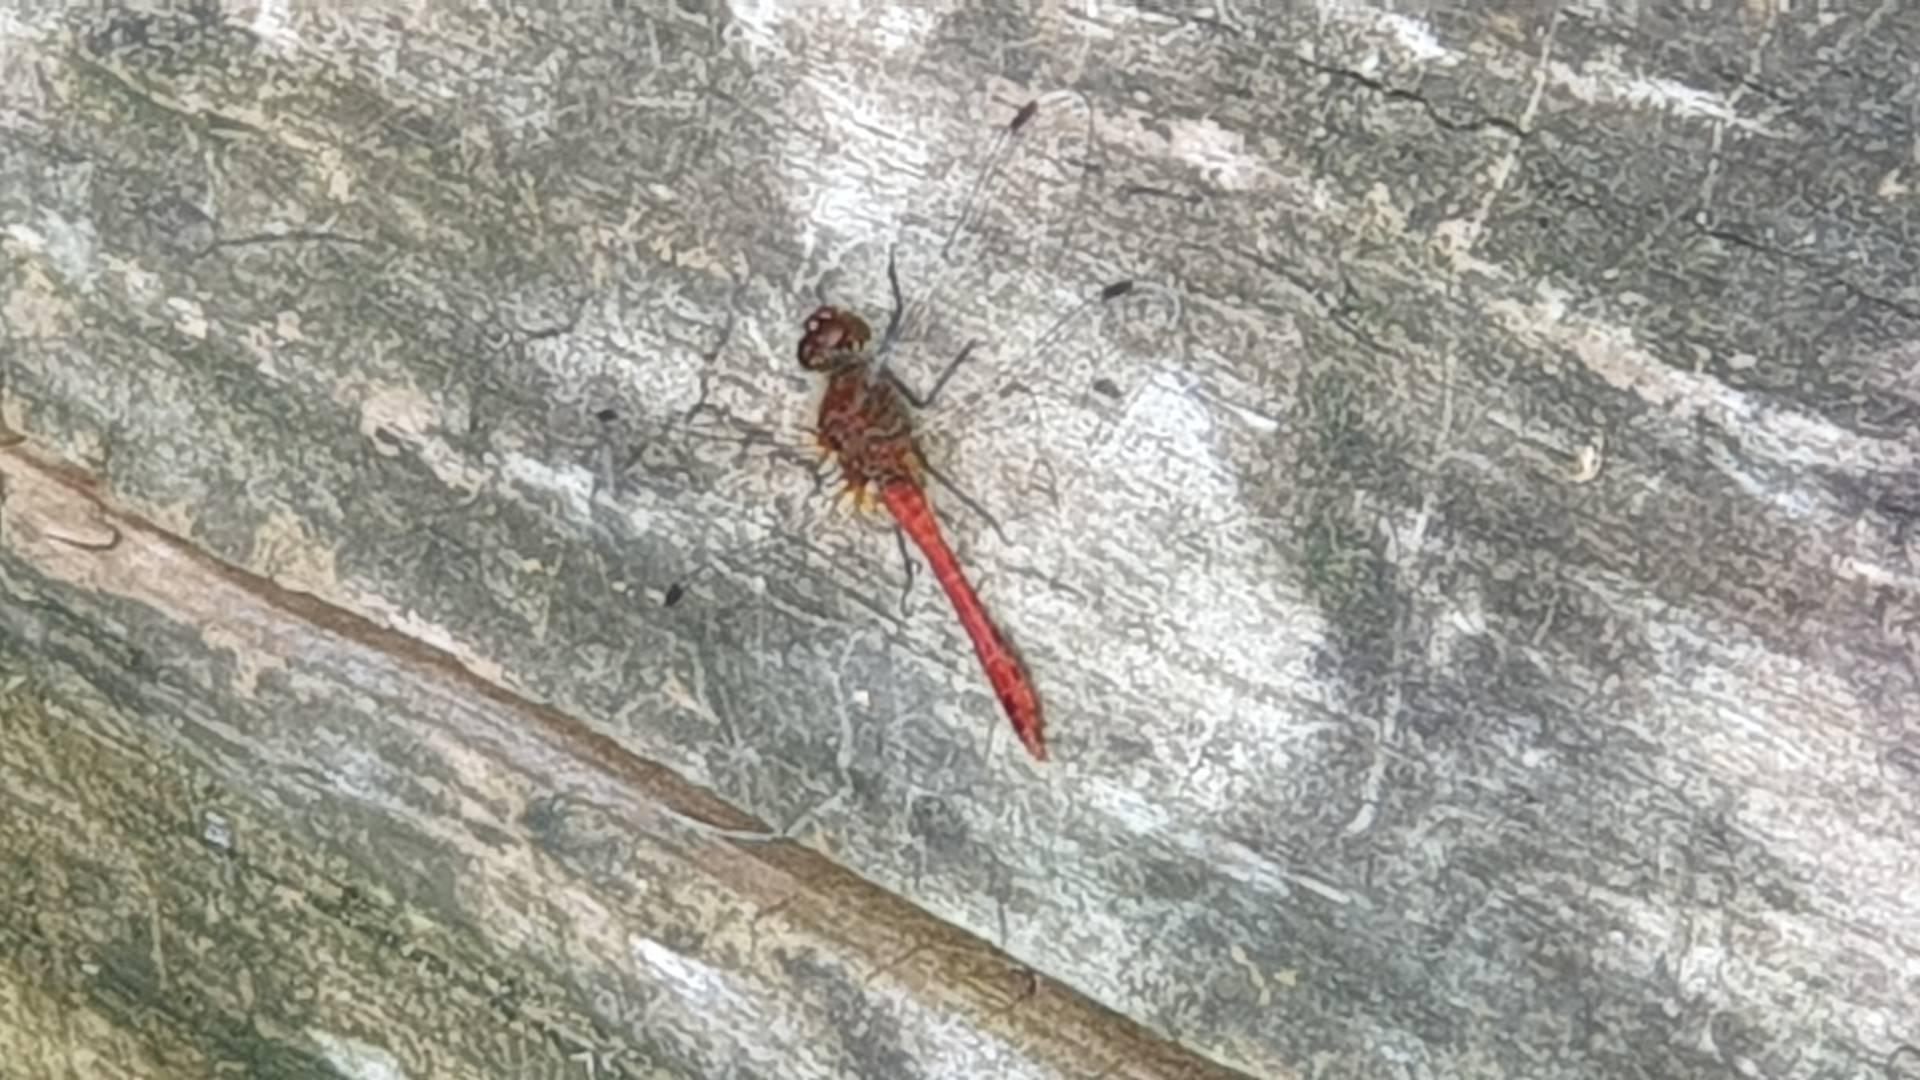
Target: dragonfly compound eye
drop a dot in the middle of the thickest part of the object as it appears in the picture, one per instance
(830, 333)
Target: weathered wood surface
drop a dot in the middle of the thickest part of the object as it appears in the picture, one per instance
(341, 847)
(1478, 639)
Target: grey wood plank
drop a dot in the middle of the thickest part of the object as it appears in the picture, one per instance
(1476, 635)
(248, 833)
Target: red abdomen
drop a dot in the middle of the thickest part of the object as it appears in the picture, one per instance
(1008, 678)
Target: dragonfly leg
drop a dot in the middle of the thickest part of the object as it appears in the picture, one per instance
(966, 500)
(899, 312)
(825, 471)
(926, 400)
(892, 334)
(906, 559)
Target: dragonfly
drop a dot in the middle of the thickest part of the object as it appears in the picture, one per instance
(865, 427)
(865, 421)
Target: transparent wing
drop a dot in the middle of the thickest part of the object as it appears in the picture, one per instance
(1045, 417)
(1007, 279)
(1031, 190)
(1015, 194)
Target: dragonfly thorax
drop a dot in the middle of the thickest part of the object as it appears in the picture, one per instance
(865, 426)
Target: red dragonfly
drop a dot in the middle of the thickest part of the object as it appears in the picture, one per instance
(865, 424)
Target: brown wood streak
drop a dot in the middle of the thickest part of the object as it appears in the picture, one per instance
(1058, 1024)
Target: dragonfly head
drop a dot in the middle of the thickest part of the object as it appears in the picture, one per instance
(833, 337)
